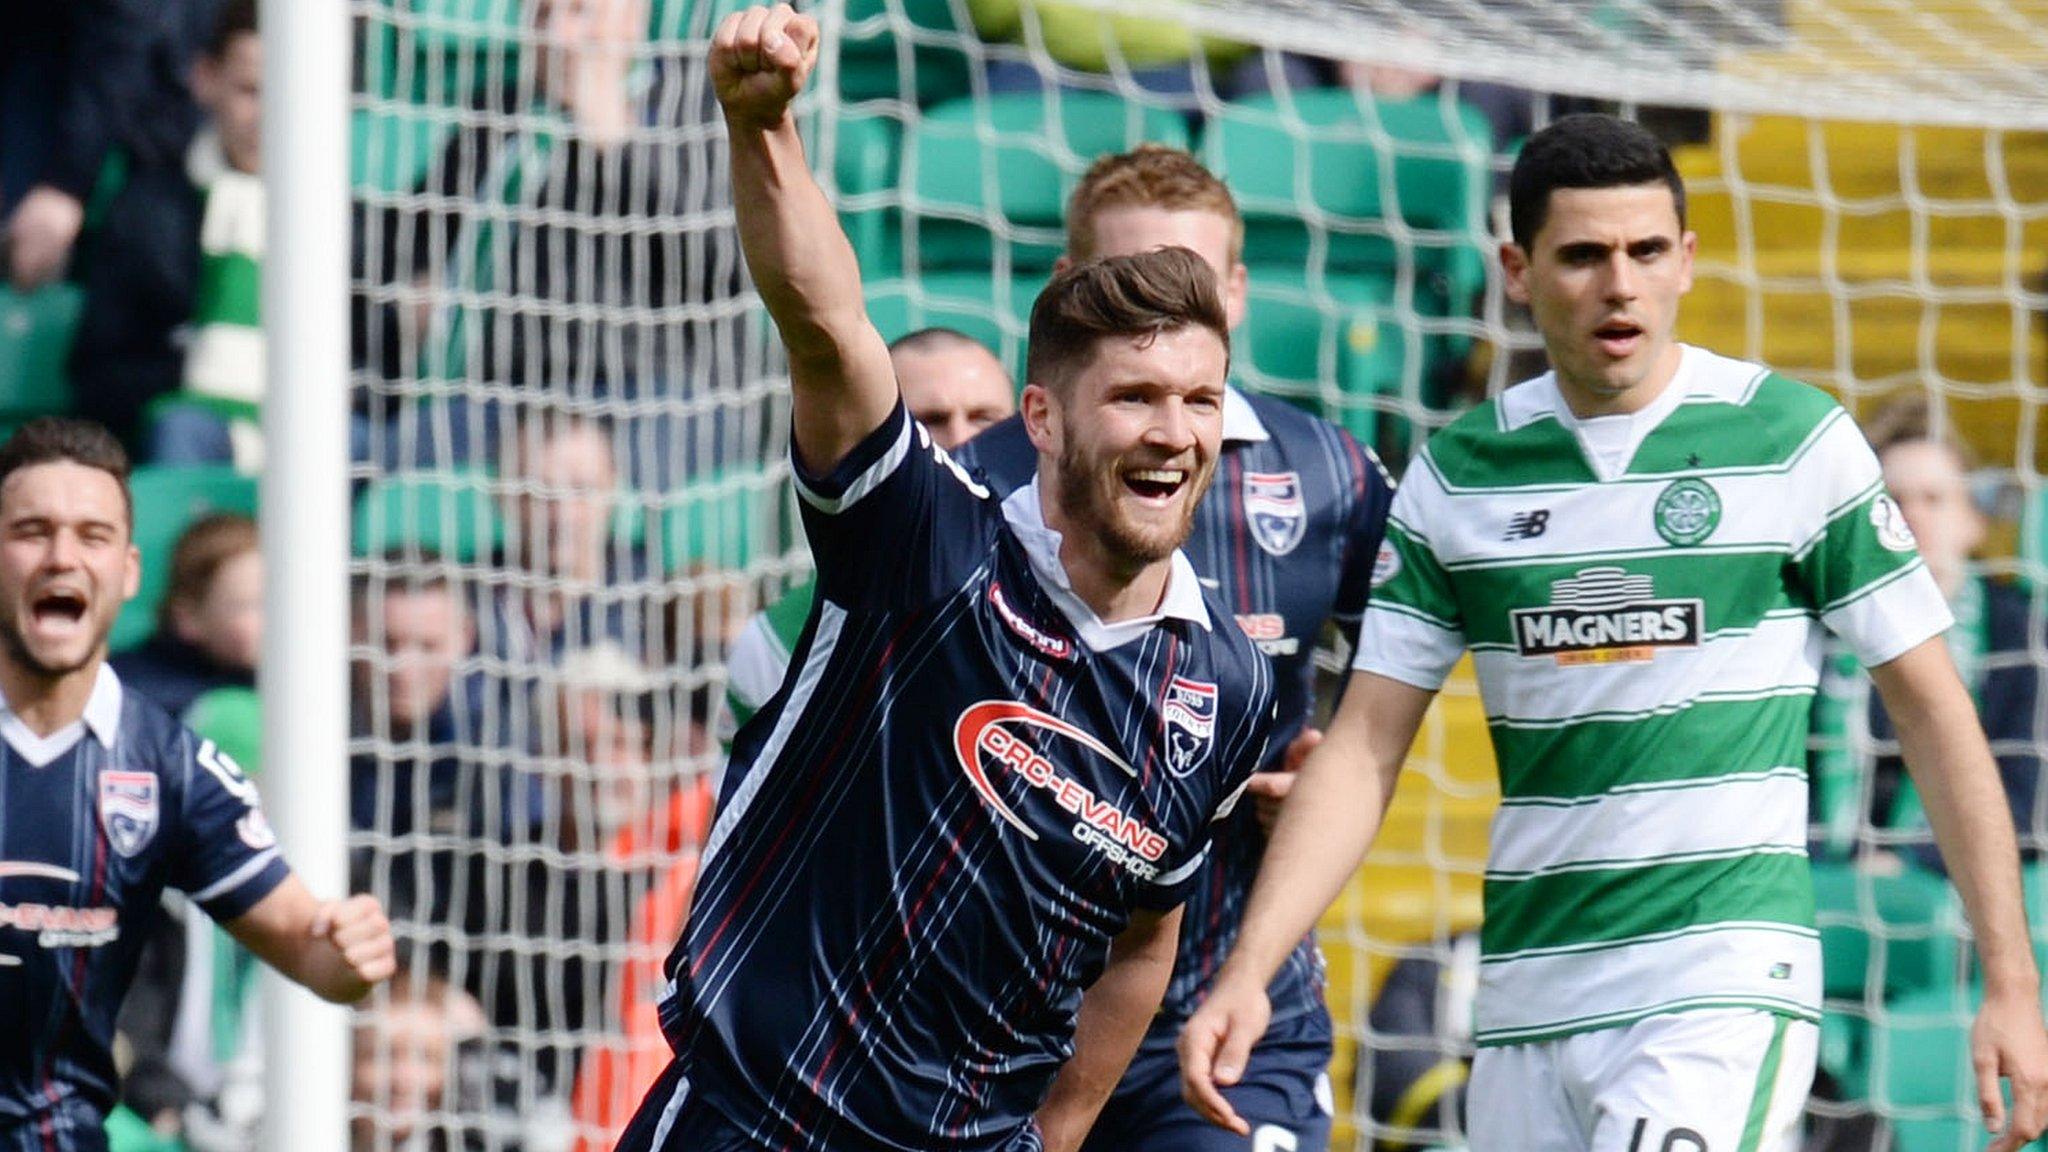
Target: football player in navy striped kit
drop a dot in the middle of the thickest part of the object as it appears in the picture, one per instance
(106, 800)
(937, 908)
(1286, 537)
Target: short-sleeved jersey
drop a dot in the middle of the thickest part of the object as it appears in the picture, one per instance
(1286, 538)
(95, 821)
(927, 839)
(1647, 644)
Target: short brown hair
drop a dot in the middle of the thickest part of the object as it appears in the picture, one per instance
(204, 547)
(1143, 294)
(1148, 176)
(1910, 419)
(56, 439)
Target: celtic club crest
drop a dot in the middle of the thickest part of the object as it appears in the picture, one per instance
(1688, 512)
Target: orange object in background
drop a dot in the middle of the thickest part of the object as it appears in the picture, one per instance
(617, 1072)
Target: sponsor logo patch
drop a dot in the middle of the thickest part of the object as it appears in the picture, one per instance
(1057, 647)
(1268, 631)
(1606, 616)
(1274, 509)
(1190, 715)
(1527, 525)
(990, 740)
(128, 809)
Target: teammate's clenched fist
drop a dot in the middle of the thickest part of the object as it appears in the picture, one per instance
(760, 59)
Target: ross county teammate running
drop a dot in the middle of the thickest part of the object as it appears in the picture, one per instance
(1638, 548)
(936, 909)
(107, 800)
(1286, 536)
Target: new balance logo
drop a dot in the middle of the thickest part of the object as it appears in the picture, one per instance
(1527, 525)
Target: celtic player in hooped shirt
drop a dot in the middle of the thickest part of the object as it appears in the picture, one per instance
(938, 905)
(1638, 549)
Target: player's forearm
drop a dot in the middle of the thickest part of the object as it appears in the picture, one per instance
(324, 972)
(801, 261)
(1325, 827)
(1958, 782)
(1114, 1014)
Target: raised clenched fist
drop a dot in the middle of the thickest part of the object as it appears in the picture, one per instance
(760, 59)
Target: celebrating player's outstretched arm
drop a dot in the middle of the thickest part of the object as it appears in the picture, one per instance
(337, 948)
(841, 383)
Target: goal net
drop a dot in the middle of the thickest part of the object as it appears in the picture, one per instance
(571, 437)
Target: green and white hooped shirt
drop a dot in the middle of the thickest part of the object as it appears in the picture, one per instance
(1644, 618)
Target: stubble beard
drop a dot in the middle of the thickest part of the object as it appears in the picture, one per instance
(17, 649)
(1086, 498)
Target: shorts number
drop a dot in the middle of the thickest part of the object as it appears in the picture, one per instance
(1273, 1138)
(1676, 1140)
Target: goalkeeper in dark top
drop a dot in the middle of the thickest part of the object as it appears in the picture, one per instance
(939, 903)
(107, 800)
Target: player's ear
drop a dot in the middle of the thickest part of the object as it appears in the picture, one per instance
(1041, 417)
(1514, 266)
(1236, 290)
(131, 575)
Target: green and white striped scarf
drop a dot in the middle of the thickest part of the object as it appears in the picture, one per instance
(224, 362)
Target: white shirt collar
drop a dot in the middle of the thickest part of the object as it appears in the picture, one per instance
(102, 719)
(1240, 420)
(1182, 600)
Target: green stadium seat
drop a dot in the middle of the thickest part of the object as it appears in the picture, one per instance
(233, 719)
(988, 176)
(864, 164)
(1397, 189)
(1917, 929)
(36, 332)
(1920, 1078)
(1360, 164)
(995, 312)
(1330, 341)
(390, 151)
(167, 499)
(727, 522)
(871, 56)
(451, 515)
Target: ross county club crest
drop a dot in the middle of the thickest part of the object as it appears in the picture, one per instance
(1190, 715)
(128, 809)
(1273, 506)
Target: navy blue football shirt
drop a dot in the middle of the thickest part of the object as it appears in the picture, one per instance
(1286, 538)
(95, 821)
(930, 835)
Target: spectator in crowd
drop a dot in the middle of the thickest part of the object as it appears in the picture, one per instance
(569, 228)
(169, 352)
(570, 567)
(615, 861)
(81, 82)
(405, 1075)
(1928, 472)
(209, 627)
(413, 708)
